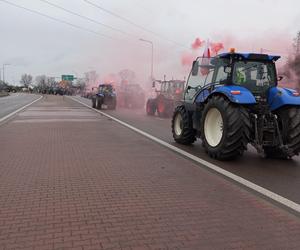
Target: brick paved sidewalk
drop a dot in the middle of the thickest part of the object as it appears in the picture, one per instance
(73, 179)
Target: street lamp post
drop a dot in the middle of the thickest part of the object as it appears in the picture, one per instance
(147, 41)
(3, 67)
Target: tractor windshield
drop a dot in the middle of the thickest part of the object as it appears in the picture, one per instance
(254, 75)
(177, 87)
(106, 88)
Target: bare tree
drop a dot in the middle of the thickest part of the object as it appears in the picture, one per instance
(26, 80)
(296, 43)
(41, 82)
(80, 83)
(127, 76)
(91, 78)
(50, 82)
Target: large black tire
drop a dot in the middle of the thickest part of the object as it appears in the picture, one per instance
(182, 126)
(150, 107)
(98, 103)
(93, 103)
(234, 129)
(289, 125)
(113, 104)
(163, 109)
(169, 109)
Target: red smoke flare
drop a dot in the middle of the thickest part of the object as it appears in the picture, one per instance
(216, 47)
(198, 43)
(187, 59)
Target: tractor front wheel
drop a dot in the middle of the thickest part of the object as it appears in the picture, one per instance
(182, 127)
(225, 128)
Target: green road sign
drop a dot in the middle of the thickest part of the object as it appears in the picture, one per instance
(67, 77)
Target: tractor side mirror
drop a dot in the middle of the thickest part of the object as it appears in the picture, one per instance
(195, 68)
(279, 78)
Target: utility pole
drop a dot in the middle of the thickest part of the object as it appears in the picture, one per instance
(147, 41)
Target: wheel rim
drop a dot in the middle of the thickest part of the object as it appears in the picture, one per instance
(178, 124)
(213, 127)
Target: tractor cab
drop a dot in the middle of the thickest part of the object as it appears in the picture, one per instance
(105, 89)
(255, 72)
(171, 88)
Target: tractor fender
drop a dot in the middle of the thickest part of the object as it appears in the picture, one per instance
(234, 93)
(279, 97)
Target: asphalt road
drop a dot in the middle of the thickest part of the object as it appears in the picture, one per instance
(15, 101)
(279, 176)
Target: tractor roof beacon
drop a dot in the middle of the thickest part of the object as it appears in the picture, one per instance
(232, 100)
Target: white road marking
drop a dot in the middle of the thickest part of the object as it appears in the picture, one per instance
(18, 110)
(263, 191)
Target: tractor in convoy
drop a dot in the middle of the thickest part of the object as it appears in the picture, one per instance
(104, 97)
(167, 98)
(131, 96)
(233, 100)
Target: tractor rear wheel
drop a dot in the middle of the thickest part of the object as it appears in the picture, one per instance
(289, 124)
(150, 107)
(182, 126)
(113, 104)
(98, 103)
(93, 103)
(225, 128)
(162, 106)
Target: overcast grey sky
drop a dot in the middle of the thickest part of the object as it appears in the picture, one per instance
(37, 45)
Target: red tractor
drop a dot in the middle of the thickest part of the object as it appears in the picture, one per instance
(131, 96)
(167, 97)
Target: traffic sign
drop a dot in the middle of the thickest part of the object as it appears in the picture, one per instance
(67, 77)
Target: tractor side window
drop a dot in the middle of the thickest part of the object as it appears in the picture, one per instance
(194, 84)
(169, 87)
(221, 74)
(163, 87)
(209, 77)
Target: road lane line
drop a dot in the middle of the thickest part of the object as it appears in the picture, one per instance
(258, 189)
(18, 110)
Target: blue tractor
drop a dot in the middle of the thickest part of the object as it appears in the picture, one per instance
(232, 100)
(105, 97)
